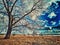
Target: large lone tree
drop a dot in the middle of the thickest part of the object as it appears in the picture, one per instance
(9, 6)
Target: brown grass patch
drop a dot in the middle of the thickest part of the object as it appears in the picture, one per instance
(30, 40)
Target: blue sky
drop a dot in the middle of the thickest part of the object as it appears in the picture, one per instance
(52, 15)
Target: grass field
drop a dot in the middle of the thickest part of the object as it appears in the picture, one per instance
(30, 40)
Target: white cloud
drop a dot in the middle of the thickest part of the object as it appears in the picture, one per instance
(53, 23)
(52, 15)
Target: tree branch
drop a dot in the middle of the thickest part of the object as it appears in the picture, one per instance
(29, 26)
(36, 4)
(32, 9)
(13, 5)
(7, 2)
(19, 25)
(22, 17)
(5, 5)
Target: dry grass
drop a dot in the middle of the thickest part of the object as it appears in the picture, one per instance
(30, 40)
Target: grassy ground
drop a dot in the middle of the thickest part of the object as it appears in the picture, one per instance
(30, 40)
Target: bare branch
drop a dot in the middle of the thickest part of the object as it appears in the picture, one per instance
(28, 26)
(19, 25)
(36, 4)
(22, 17)
(32, 9)
(5, 5)
(13, 5)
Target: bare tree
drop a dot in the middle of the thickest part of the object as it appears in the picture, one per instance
(11, 21)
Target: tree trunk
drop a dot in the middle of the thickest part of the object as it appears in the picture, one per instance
(7, 36)
(8, 33)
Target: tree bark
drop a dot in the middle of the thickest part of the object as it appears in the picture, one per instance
(8, 33)
(7, 36)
